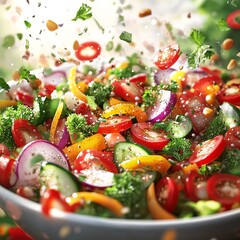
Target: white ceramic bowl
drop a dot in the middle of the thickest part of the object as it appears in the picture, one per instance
(27, 215)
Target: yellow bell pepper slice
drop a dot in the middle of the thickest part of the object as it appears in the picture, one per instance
(55, 120)
(150, 162)
(126, 109)
(73, 86)
(7, 103)
(179, 77)
(96, 142)
(155, 209)
(110, 203)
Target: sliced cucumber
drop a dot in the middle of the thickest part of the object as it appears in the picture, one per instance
(230, 114)
(55, 176)
(125, 151)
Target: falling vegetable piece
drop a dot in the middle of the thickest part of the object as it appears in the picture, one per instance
(233, 19)
(7, 103)
(110, 203)
(96, 141)
(152, 162)
(73, 86)
(155, 209)
(51, 26)
(128, 109)
(88, 51)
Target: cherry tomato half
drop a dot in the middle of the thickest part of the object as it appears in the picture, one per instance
(195, 186)
(24, 132)
(224, 188)
(232, 137)
(233, 19)
(127, 90)
(95, 159)
(230, 92)
(87, 51)
(167, 56)
(115, 124)
(144, 134)
(208, 151)
(167, 193)
(6, 169)
(24, 97)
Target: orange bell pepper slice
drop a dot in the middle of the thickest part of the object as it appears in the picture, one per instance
(55, 120)
(7, 103)
(155, 209)
(110, 203)
(73, 86)
(96, 142)
(126, 109)
(150, 162)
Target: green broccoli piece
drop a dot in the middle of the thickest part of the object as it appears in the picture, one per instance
(230, 160)
(199, 208)
(78, 127)
(100, 91)
(129, 191)
(216, 127)
(209, 169)
(6, 120)
(179, 148)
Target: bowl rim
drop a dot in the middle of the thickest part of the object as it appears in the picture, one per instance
(73, 217)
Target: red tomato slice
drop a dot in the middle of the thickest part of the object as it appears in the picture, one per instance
(84, 109)
(232, 137)
(6, 169)
(95, 159)
(167, 193)
(167, 56)
(142, 133)
(47, 90)
(129, 91)
(113, 138)
(16, 233)
(195, 186)
(24, 97)
(233, 19)
(230, 92)
(4, 150)
(24, 132)
(193, 104)
(208, 151)
(224, 188)
(87, 51)
(53, 199)
(140, 78)
(115, 124)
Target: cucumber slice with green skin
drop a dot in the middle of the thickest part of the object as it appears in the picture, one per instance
(230, 114)
(54, 176)
(125, 151)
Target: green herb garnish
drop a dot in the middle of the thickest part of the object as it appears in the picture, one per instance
(84, 13)
(27, 24)
(126, 36)
(3, 84)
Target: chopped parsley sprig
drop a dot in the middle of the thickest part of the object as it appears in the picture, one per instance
(3, 85)
(84, 13)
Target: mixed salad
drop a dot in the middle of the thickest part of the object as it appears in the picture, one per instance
(123, 140)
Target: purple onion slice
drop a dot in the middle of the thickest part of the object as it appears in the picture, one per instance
(163, 106)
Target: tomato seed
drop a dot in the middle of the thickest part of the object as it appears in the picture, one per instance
(52, 26)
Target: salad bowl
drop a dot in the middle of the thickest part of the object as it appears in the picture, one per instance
(61, 225)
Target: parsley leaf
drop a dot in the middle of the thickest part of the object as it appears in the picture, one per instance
(126, 36)
(197, 37)
(84, 13)
(3, 84)
(222, 25)
(27, 24)
(25, 74)
(8, 41)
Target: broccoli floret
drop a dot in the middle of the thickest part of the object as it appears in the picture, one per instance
(199, 208)
(100, 91)
(216, 127)
(129, 191)
(78, 127)
(230, 160)
(6, 120)
(209, 169)
(179, 148)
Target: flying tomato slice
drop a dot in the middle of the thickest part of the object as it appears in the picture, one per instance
(88, 51)
(208, 151)
(233, 19)
(115, 124)
(167, 56)
(144, 134)
(167, 193)
(24, 132)
(224, 188)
